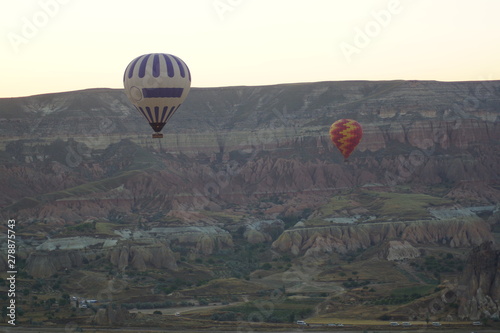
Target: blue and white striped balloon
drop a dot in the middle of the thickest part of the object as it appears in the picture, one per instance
(157, 84)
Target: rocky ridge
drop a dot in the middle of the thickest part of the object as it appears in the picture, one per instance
(244, 143)
(399, 250)
(240, 161)
(479, 286)
(139, 250)
(342, 239)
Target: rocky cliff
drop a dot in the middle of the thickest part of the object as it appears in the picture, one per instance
(399, 250)
(290, 107)
(276, 183)
(139, 250)
(238, 145)
(474, 295)
(479, 286)
(46, 263)
(237, 154)
(342, 239)
(157, 255)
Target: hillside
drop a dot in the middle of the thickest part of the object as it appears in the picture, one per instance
(247, 188)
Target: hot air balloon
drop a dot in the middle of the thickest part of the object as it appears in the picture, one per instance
(157, 84)
(346, 134)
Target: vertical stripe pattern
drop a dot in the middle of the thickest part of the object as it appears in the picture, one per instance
(157, 84)
(160, 62)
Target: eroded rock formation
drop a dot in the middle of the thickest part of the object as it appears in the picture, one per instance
(399, 250)
(342, 239)
(479, 286)
(140, 257)
(245, 143)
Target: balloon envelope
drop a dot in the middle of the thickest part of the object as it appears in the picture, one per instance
(157, 84)
(346, 135)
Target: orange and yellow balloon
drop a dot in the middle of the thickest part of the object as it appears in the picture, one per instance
(346, 135)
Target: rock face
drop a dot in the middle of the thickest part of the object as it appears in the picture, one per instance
(476, 292)
(245, 144)
(139, 249)
(42, 264)
(106, 112)
(45, 263)
(140, 257)
(399, 250)
(244, 152)
(342, 239)
(479, 287)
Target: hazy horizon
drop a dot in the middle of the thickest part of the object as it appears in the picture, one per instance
(243, 85)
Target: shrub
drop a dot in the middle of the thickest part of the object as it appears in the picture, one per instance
(267, 266)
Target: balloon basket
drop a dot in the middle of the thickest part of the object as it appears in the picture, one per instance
(157, 135)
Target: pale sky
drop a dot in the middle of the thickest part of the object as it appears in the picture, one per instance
(65, 45)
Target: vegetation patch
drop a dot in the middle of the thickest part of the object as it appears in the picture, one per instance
(106, 228)
(385, 206)
(417, 289)
(231, 286)
(436, 265)
(405, 206)
(271, 311)
(80, 228)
